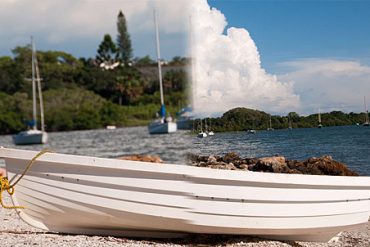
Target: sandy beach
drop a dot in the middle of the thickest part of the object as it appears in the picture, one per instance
(14, 232)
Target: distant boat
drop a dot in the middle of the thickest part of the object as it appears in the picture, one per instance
(319, 120)
(161, 125)
(34, 135)
(290, 124)
(110, 127)
(201, 134)
(252, 131)
(270, 125)
(209, 132)
(366, 123)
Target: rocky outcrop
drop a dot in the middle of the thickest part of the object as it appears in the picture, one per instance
(324, 165)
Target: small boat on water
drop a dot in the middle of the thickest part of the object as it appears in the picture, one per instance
(34, 135)
(209, 131)
(270, 125)
(88, 195)
(319, 125)
(201, 134)
(110, 127)
(163, 124)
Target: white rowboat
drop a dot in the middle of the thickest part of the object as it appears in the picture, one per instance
(88, 195)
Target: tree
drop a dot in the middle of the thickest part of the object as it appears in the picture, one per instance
(107, 51)
(123, 39)
(144, 61)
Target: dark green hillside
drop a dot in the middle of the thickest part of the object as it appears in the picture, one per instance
(242, 119)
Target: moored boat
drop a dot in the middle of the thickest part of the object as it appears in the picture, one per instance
(89, 195)
(163, 124)
(34, 135)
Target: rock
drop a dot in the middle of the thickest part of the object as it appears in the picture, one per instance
(276, 160)
(142, 158)
(324, 165)
(211, 159)
(231, 157)
(271, 164)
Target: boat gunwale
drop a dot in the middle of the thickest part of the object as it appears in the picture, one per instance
(202, 175)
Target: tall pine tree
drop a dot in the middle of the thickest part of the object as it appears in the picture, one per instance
(123, 39)
(107, 50)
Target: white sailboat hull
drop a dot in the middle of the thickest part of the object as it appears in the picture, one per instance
(202, 135)
(162, 128)
(87, 195)
(30, 137)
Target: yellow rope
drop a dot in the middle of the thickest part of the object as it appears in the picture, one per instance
(5, 184)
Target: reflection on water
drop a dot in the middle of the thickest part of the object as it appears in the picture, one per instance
(348, 144)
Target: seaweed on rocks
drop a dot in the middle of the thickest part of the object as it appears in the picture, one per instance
(324, 165)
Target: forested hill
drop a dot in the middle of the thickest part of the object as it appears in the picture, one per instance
(242, 119)
(79, 94)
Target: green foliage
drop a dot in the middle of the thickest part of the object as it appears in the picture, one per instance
(241, 119)
(123, 39)
(107, 51)
(82, 94)
(178, 61)
(144, 61)
(11, 79)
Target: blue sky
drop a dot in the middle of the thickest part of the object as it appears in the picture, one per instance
(288, 30)
(316, 54)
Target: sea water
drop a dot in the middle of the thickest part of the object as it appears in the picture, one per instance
(347, 144)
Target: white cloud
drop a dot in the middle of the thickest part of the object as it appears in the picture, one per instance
(227, 69)
(56, 22)
(329, 84)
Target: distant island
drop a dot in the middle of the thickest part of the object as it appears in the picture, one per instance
(244, 119)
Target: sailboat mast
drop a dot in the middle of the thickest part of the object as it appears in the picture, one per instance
(319, 116)
(34, 109)
(158, 58)
(38, 79)
(270, 123)
(366, 111)
(192, 63)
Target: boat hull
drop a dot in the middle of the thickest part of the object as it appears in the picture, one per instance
(87, 195)
(29, 137)
(162, 128)
(184, 124)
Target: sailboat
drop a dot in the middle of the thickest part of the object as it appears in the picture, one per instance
(161, 125)
(201, 134)
(34, 135)
(209, 130)
(319, 120)
(366, 123)
(290, 127)
(270, 125)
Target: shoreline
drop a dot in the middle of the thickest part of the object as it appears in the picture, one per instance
(15, 232)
